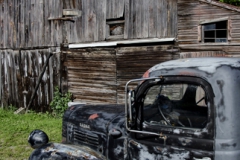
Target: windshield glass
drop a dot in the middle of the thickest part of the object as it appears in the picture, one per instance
(180, 104)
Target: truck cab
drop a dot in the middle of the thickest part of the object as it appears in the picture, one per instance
(180, 109)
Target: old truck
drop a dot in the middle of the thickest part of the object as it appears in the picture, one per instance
(180, 109)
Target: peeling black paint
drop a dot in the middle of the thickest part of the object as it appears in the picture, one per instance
(90, 128)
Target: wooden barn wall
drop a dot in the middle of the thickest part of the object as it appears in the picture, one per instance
(89, 27)
(91, 74)
(142, 19)
(19, 72)
(195, 54)
(115, 9)
(99, 75)
(133, 62)
(25, 24)
(150, 19)
(192, 13)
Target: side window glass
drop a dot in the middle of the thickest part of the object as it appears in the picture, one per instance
(179, 105)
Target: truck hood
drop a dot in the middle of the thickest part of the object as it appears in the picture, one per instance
(95, 117)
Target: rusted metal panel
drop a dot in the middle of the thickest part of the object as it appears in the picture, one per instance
(20, 70)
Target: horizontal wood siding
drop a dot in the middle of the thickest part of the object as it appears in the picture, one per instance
(202, 54)
(150, 19)
(133, 62)
(99, 75)
(20, 70)
(25, 24)
(192, 13)
(235, 28)
(92, 75)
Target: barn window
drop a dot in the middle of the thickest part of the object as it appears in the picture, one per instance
(115, 29)
(215, 32)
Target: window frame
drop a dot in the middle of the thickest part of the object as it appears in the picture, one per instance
(201, 34)
(191, 131)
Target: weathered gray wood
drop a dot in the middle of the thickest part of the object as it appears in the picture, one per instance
(5, 26)
(1, 24)
(101, 20)
(192, 13)
(19, 73)
(127, 19)
(145, 18)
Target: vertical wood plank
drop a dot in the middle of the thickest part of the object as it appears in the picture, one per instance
(79, 22)
(152, 18)
(1, 24)
(127, 19)
(85, 19)
(47, 23)
(121, 8)
(60, 24)
(145, 15)
(130, 24)
(134, 22)
(15, 8)
(10, 23)
(138, 22)
(5, 25)
(91, 20)
(109, 9)
(97, 17)
(164, 19)
(51, 27)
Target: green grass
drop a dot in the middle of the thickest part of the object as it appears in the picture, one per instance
(15, 129)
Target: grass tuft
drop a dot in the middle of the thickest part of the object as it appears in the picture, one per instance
(15, 129)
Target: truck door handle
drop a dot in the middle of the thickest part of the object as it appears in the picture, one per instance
(204, 158)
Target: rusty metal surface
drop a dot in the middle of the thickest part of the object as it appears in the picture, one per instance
(101, 128)
(56, 151)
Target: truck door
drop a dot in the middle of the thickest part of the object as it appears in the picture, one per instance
(180, 114)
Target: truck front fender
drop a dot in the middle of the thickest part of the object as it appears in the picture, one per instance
(56, 151)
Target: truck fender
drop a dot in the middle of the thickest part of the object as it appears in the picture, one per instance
(56, 151)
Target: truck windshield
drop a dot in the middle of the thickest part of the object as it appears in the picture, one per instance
(183, 105)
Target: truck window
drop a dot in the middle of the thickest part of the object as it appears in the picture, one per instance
(179, 105)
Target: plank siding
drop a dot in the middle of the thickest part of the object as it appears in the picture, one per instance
(99, 75)
(132, 62)
(192, 13)
(92, 75)
(25, 24)
(20, 70)
(142, 19)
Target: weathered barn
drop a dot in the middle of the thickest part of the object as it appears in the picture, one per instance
(98, 45)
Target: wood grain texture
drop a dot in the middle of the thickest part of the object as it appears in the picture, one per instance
(20, 71)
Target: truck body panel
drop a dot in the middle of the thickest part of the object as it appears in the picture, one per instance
(181, 109)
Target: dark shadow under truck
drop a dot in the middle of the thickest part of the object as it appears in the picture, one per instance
(181, 109)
